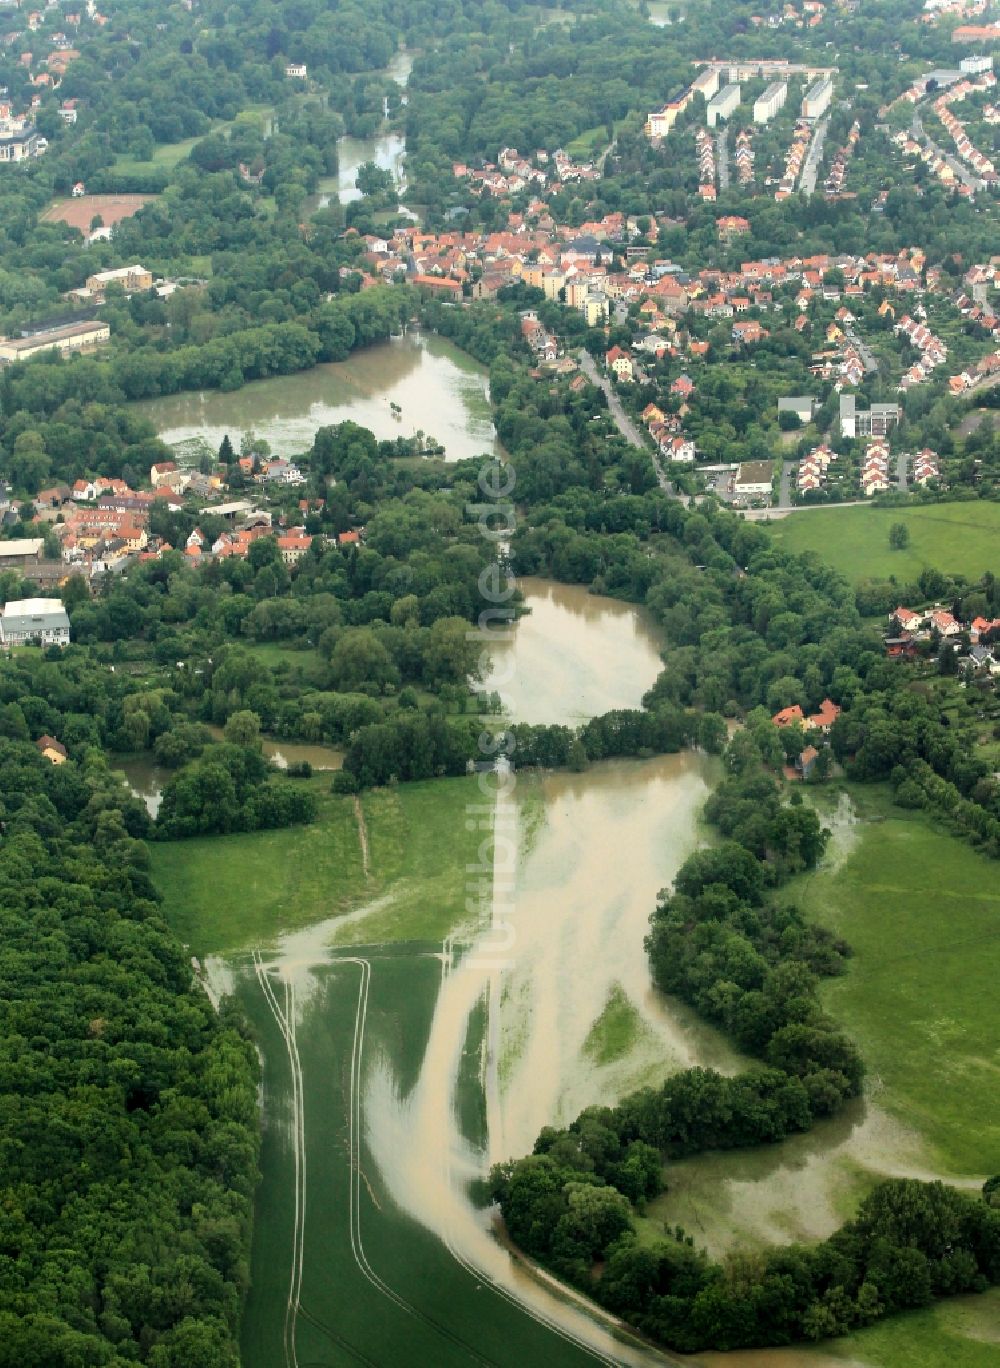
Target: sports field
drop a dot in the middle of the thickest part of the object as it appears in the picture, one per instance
(958, 538)
(81, 212)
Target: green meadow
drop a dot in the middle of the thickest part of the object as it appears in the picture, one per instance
(225, 893)
(921, 911)
(957, 538)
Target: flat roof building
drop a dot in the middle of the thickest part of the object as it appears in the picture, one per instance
(753, 479)
(72, 337)
(767, 105)
(21, 551)
(816, 100)
(34, 620)
(722, 105)
(874, 422)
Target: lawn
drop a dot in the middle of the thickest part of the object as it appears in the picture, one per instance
(963, 1333)
(958, 538)
(227, 892)
(165, 157)
(273, 653)
(921, 911)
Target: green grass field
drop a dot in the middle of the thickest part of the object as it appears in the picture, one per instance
(166, 155)
(273, 653)
(227, 892)
(921, 911)
(964, 1333)
(959, 538)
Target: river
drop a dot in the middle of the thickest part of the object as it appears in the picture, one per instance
(441, 392)
(433, 1061)
(386, 148)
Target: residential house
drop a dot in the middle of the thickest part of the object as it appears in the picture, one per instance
(54, 751)
(619, 363)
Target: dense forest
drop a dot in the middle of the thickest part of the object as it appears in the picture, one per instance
(129, 1127)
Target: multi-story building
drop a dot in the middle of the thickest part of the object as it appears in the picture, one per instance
(18, 143)
(767, 105)
(28, 620)
(130, 278)
(816, 100)
(707, 82)
(874, 422)
(722, 104)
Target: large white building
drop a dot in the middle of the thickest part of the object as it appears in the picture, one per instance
(707, 82)
(27, 621)
(20, 143)
(71, 337)
(722, 105)
(816, 100)
(767, 105)
(973, 66)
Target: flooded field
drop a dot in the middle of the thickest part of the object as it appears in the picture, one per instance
(441, 392)
(146, 778)
(571, 654)
(398, 1069)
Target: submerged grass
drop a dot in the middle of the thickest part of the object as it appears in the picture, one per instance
(616, 1031)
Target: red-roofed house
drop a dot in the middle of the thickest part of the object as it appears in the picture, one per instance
(826, 716)
(787, 716)
(945, 624)
(619, 363)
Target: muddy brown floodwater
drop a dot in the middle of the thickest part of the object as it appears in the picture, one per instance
(440, 392)
(574, 655)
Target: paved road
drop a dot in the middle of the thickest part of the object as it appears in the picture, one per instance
(722, 158)
(624, 423)
(984, 382)
(810, 167)
(785, 491)
(864, 351)
(902, 465)
(959, 168)
(763, 514)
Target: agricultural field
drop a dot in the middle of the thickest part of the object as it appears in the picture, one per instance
(81, 212)
(957, 538)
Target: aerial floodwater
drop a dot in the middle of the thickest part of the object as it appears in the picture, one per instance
(571, 654)
(386, 148)
(398, 1069)
(441, 393)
